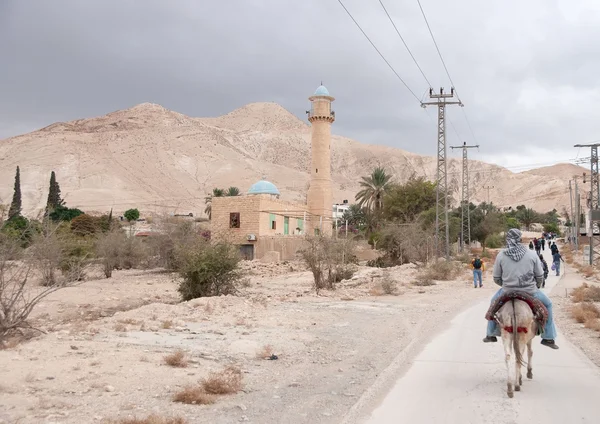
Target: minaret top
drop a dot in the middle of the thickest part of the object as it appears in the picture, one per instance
(321, 92)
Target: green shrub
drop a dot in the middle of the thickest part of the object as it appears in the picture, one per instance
(208, 270)
(63, 213)
(495, 241)
(132, 215)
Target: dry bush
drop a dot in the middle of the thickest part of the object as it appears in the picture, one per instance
(120, 327)
(150, 419)
(208, 269)
(47, 253)
(108, 249)
(587, 271)
(440, 270)
(167, 324)
(388, 285)
(584, 312)
(194, 395)
(586, 293)
(405, 244)
(265, 352)
(593, 324)
(176, 359)
(330, 260)
(224, 382)
(17, 297)
(423, 280)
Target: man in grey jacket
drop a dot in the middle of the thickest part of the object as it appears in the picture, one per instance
(519, 269)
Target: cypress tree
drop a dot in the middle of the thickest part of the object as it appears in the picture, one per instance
(15, 206)
(54, 199)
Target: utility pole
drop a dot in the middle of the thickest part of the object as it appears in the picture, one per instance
(577, 215)
(594, 199)
(571, 235)
(441, 100)
(465, 212)
(488, 188)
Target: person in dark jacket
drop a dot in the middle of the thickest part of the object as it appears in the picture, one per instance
(546, 271)
(553, 248)
(530, 245)
(543, 243)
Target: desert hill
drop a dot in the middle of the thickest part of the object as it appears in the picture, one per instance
(162, 161)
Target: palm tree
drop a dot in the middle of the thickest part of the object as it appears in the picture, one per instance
(217, 192)
(374, 187)
(232, 191)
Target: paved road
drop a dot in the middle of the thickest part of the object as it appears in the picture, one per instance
(459, 379)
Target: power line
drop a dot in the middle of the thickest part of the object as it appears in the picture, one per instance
(404, 42)
(377, 50)
(445, 67)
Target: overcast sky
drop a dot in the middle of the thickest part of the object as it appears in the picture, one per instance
(526, 71)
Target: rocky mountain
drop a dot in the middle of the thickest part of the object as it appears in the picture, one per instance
(164, 162)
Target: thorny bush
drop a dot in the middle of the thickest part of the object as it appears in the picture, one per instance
(330, 260)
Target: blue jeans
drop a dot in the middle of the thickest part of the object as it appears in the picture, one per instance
(549, 330)
(557, 267)
(477, 275)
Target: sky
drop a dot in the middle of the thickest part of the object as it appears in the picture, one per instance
(526, 71)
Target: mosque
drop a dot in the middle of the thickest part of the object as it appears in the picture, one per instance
(268, 228)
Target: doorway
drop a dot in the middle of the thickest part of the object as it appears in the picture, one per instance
(247, 252)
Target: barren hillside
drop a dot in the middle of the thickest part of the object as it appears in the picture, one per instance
(159, 160)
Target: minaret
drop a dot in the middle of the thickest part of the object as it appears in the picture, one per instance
(320, 194)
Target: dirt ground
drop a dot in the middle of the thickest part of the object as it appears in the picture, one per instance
(103, 356)
(586, 339)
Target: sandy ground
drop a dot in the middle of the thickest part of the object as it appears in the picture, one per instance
(459, 379)
(586, 339)
(103, 356)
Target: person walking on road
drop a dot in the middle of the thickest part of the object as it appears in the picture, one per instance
(553, 248)
(519, 269)
(546, 271)
(478, 267)
(543, 243)
(556, 260)
(530, 245)
(538, 245)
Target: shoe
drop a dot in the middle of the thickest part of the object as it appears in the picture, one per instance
(491, 339)
(550, 343)
(481, 285)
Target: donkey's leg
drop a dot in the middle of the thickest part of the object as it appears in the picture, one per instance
(518, 379)
(509, 359)
(529, 356)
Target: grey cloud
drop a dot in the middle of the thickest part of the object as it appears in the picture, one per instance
(64, 60)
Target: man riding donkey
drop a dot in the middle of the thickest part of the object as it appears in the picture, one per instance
(518, 269)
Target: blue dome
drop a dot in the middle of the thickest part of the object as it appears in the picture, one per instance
(263, 187)
(321, 91)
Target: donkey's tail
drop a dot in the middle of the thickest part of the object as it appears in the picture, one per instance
(515, 336)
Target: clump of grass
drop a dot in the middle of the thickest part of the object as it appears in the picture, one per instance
(176, 359)
(586, 293)
(587, 271)
(584, 312)
(227, 381)
(593, 324)
(120, 327)
(167, 324)
(265, 352)
(194, 395)
(424, 280)
(150, 419)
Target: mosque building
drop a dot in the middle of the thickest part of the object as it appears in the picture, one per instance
(266, 227)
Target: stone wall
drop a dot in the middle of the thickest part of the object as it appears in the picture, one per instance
(249, 209)
(287, 247)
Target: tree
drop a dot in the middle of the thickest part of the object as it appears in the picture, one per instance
(63, 213)
(489, 223)
(132, 215)
(54, 200)
(373, 190)
(217, 192)
(232, 191)
(405, 202)
(15, 206)
(526, 216)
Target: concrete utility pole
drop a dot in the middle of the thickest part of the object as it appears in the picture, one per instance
(488, 188)
(594, 200)
(441, 100)
(465, 212)
(577, 215)
(572, 233)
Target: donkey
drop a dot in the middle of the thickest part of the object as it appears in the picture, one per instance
(518, 328)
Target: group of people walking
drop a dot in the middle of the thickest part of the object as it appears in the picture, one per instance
(539, 245)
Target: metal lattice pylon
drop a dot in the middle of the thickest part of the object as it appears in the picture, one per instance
(465, 212)
(594, 209)
(442, 236)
